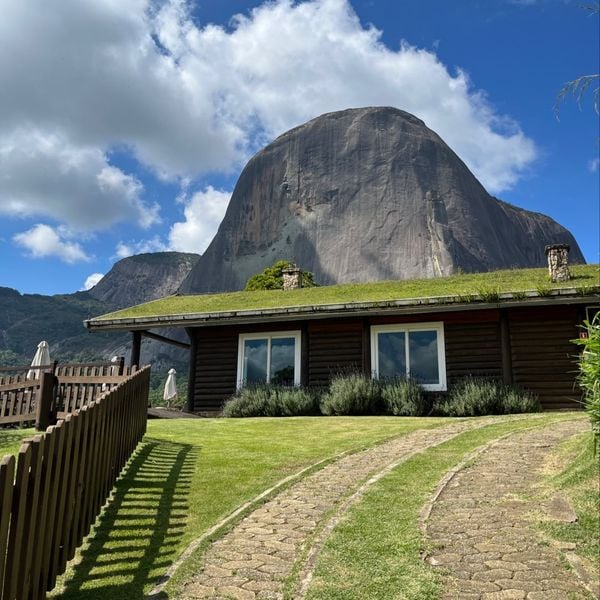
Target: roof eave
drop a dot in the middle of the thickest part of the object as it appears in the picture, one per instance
(358, 309)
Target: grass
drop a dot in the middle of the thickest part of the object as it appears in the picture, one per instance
(189, 474)
(374, 553)
(462, 287)
(579, 480)
(10, 439)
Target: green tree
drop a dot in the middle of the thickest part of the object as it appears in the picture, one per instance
(272, 278)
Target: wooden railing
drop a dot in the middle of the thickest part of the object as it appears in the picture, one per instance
(73, 386)
(52, 493)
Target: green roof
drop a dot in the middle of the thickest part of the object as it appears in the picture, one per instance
(489, 287)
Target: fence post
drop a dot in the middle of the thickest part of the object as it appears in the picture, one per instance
(45, 403)
(121, 364)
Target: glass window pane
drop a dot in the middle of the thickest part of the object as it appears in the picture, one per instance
(255, 361)
(282, 360)
(391, 354)
(423, 356)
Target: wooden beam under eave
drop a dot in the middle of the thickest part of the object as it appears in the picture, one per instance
(136, 348)
(165, 340)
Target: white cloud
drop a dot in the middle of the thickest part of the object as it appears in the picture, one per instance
(91, 281)
(203, 213)
(42, 241)
(594, 165)
(45, 175)
(154, 244)
(91, 78)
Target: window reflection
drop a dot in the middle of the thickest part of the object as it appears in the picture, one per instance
(255, 361)
(423, 355)
(282, 361)
(392, 354)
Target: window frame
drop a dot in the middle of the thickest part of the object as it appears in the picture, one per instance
(406, 328)
(269, 336)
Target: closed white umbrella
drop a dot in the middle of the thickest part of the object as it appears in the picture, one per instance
(41, 358)
(170, 392)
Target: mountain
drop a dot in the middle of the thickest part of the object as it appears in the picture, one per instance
(25, 319)
(367, 194)
(143, 277)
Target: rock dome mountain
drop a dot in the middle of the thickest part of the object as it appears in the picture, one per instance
(367, 194)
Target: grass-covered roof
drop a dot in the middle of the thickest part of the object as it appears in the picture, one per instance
(462, 288)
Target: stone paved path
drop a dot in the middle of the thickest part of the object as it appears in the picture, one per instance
(256, 556)
(482, 523)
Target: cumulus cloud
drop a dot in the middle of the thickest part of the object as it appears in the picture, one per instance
(42, 241)
(187, 99)
(42, 174)
(154, 244)
(203, 213)
(91, 281)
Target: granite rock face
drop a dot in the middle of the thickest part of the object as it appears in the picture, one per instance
(368, 194)
(143, 277)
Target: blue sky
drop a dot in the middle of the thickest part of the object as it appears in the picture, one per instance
(124, 124)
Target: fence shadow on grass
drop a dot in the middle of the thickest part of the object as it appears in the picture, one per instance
(136, 536)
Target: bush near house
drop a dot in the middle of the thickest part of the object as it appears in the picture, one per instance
(356, 394)
(271, 401)
(477, 396)
(272, 278)
(589, 374)
(352, 394)
(405, 397)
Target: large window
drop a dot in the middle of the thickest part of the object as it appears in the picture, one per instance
(269, 358)
(415, 351)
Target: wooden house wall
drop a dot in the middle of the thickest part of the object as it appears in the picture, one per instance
(544, 360)
(533, 350)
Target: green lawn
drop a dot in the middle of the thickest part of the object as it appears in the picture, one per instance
(10, 439)
(188, 474)
(585, 277)
(578, 479)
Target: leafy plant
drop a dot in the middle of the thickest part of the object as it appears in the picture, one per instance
(489, 294)
(352, 394)
(272, 278)
(266, 400)
(404, 397)
(477, 396)
(589, 373)
(543, 291)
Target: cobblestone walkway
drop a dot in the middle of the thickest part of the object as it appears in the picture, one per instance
(482, 524)
(255, 557)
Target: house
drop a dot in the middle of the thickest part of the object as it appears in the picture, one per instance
(512, 325)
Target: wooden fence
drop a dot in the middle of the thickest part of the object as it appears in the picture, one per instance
(28, 394)
(52, 493)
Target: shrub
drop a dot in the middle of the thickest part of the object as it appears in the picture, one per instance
(272, 278)
(589, 374)
(352, 394)
(403, 397)
(477, 396)
(267, 400)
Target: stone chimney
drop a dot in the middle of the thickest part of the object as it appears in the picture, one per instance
(558, 262)
(292, 278)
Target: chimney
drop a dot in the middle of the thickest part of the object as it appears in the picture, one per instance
(558, 262)
(292, 278)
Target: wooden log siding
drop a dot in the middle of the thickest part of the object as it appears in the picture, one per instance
(472, 349)
(215, 368)
(52, 493)
(544, 360)
(334, 347)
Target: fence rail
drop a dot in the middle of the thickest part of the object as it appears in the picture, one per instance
(25, 391)
(52, 493)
